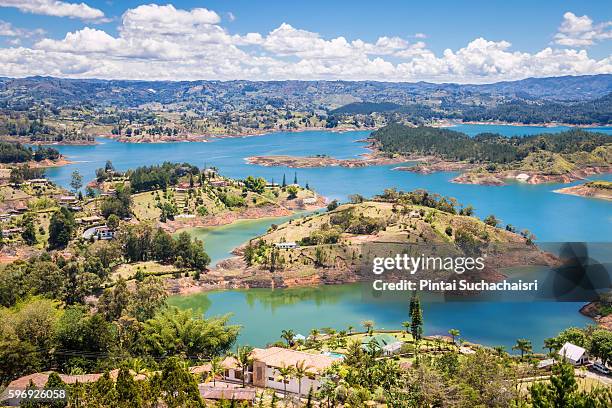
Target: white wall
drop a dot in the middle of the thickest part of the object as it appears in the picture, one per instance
(292, 385)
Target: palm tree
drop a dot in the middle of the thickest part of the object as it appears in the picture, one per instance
(350, 329)
(551, 343)
(314, 333)
(215, 368)
(288, 336)
(368, 325)
(454, 333)
(300, 371)
(285, 373)
(244, 360)
(500, 350)
(523, 345)
(406, 326)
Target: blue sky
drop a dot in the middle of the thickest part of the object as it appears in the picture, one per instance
(222, 39)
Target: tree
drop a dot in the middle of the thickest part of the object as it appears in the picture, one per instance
(300, 371)
(178, 386)
(112, 222)
(29, 231)
(523, 345)
(368, 325)
(491, 220)
(416, 318)
(76, 181)
(244, 360)
(292, 192)
(61, 228)
(601, 345)
(284, 184)
(256, 185)
(285, 373)
(332, 205)
(127, 389)
(295, 180)
(215, 368)
(551, 343)
(406, 326)
(288, 336)
(173, 332)
(454, 334)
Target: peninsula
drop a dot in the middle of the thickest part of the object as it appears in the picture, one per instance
(494, 159)
(595, 189)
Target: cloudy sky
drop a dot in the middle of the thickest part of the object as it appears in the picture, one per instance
(388, 40)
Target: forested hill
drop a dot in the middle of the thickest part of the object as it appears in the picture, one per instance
(485, 147)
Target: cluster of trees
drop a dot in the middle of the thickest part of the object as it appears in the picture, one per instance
(17, 153)
(597, 341)
(143, 242)
(168, 384)
(486, 147)
(519, 111)
(68, 280)
(118, 204)
(148, 178)
(40, 334)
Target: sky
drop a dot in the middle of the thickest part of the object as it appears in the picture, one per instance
(385, 40)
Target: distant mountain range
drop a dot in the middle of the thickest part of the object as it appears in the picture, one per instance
(584, 98)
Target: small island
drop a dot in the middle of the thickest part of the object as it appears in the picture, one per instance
(595, 189)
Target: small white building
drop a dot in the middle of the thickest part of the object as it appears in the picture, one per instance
(392, 348)
(310, 200)
(285, 245)
(522, 177)
(574, 354)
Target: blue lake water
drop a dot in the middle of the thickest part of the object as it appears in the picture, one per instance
(550, 216)
(264, 313)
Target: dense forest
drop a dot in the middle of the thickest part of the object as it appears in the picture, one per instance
(485, 147)
(17, 153)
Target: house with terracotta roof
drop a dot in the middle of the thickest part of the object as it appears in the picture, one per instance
(266, 362)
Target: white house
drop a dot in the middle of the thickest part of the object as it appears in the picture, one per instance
(392, 348)
(574, 354)
(285, 245)
(266, 362)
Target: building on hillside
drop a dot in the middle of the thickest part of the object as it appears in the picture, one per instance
(11, 232)
(92, 220)
(227, 393)
(219, 183)
(388, 344)
(67, 200)
(310, 200)
(574, 354)
(285, 245)
(101, 232)
(266, 362)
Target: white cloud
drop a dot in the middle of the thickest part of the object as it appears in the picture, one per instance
(55, 8)
(8, 30)
(578, 31)
(162, 42)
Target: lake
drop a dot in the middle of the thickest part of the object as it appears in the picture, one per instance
(264, 313)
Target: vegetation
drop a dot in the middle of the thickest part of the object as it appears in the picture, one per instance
(17, 153)
(486, 147)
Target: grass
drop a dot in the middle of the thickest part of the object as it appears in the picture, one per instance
(128, 271)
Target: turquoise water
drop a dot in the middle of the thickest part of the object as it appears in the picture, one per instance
(550, 216)
(264, 313)
(220, 241)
